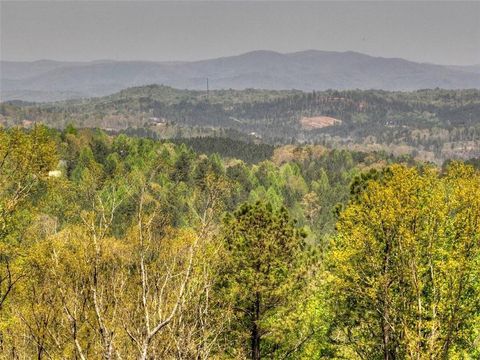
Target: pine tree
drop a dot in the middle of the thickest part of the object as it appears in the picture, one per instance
(262, 271)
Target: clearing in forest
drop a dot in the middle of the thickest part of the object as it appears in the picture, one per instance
(317, 122)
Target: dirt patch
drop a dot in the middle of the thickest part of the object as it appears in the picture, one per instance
(318, 122)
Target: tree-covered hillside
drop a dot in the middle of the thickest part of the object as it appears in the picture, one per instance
(127, 247)
(432, 125)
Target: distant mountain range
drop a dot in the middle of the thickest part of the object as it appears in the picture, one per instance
(48, 80)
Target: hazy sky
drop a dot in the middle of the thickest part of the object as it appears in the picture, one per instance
(438, 32)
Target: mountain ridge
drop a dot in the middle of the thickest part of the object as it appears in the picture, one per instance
(50, 80)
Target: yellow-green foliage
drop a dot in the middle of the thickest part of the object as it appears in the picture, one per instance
(123, 254)
(405, 265)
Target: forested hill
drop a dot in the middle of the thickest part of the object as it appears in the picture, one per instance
(305, 70)
(127, 247)
(432, 124)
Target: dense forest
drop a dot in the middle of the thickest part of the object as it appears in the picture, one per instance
(432, 125)
(127, 247)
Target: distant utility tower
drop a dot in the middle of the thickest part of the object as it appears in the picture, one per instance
(208, 90)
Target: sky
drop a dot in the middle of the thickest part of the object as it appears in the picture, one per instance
(434, 32)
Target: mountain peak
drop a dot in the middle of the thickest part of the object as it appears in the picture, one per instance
(262, 52)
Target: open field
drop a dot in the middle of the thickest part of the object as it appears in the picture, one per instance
(318, 122)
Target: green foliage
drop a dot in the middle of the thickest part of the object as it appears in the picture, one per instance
(264, 271)
(25, 160)
(432, 124)
(229, 148)
(114, 247)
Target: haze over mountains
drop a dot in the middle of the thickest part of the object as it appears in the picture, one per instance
(47, 80)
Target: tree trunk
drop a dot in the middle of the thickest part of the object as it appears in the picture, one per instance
(388, 352)
(255, 329)
(386, 340)
(143, 351)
